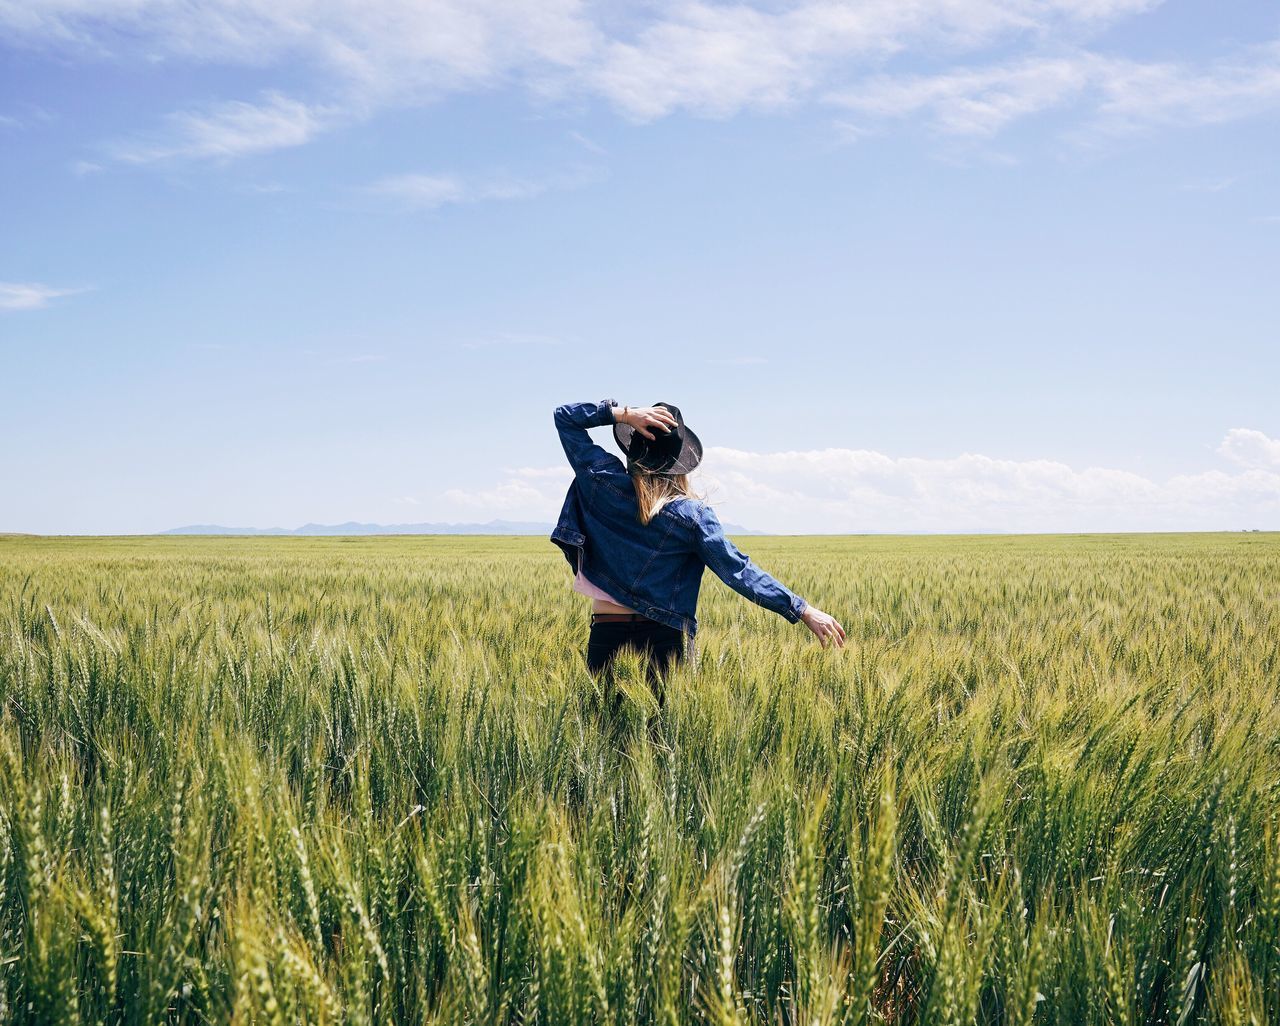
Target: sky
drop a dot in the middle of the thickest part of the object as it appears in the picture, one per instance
(905, 265)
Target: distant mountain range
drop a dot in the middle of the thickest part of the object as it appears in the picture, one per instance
(351, 527)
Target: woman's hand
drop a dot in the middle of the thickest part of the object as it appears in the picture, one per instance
(824, 626)
(645, 418)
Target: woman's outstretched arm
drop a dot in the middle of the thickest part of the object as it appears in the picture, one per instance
(735, 568)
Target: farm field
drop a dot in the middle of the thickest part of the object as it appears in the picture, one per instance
(367, 780)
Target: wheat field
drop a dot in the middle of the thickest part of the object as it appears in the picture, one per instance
(352, 780)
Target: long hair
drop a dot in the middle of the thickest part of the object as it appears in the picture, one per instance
(653, 491)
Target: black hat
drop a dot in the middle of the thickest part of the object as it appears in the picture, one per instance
(670, 453)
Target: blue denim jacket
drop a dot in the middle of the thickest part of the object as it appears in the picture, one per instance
(654, 568)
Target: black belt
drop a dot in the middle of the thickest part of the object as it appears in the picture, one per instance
(620, 618)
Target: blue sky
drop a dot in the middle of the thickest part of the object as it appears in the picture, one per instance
(904, 264)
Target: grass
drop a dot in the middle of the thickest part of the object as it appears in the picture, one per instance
(368, 781)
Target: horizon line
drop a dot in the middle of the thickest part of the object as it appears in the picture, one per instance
(178, 534)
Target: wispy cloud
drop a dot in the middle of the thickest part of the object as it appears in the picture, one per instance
(973, 101)
(358, 358)
(264, 188)
(1212, 185)
(590, 145)
(367, 55)
(737, 361)
(510, 338)
(1139, 96)
(30, 295)
(1114, 96)
(856, 490)
(717, 59)
(228, 130)
(378, 48)
(416, 191)
(711, 59)
(419, 191)
(32, 114)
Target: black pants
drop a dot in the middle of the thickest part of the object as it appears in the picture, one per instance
(662, 646)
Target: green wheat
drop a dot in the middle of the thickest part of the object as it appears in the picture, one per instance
(369, 781)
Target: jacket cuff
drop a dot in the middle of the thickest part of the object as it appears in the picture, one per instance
(796, 609)
(604, 411)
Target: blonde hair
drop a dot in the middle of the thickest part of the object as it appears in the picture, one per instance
(653, 491)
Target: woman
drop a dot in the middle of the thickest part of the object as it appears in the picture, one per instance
(637, 537)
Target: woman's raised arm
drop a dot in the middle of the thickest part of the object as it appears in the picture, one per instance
(573, 420)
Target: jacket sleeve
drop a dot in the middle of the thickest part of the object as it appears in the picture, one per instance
(733, 567)
(572, 421)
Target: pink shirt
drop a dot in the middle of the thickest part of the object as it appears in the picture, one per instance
(585, 587)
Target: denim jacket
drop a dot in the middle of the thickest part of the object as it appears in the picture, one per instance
(654, 568)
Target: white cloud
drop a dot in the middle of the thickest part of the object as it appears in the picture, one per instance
(228, 130)
(1249, 448)
(30, 295)
(852, 490)
(845, 490)
(533, 492)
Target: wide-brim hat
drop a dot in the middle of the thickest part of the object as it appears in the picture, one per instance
(670, 453)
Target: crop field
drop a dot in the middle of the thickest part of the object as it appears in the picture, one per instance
(353, 780)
